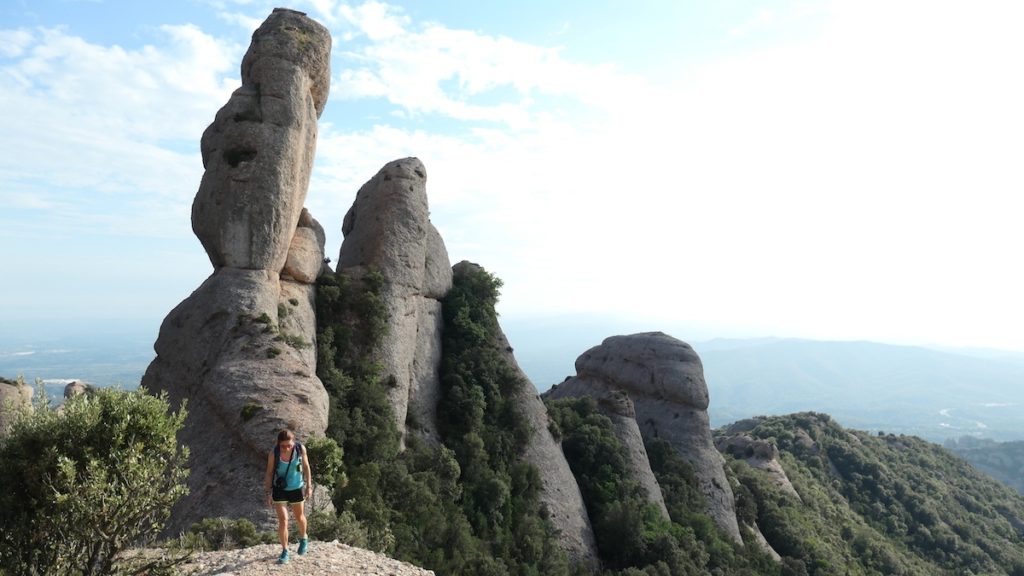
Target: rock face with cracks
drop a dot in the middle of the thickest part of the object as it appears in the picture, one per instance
(664, 379)
(388, 229)
(241, 349)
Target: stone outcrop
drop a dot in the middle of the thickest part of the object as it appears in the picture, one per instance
(759, 454)
(75, 388)
(664, 379)
(241, 349)
(617, 406)
(388, 230)
(15, 396)
(560, 493)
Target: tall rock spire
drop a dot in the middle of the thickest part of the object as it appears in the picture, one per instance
(388, 229)
(241, 349)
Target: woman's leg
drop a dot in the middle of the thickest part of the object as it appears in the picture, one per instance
(300, 518)
(282, 523)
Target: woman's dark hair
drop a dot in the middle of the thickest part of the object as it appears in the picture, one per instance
(285, 434)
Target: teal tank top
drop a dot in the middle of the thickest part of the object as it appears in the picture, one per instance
(292, 471)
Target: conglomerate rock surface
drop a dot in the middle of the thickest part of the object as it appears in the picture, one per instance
(664, 379)
(241, 349)
(388, 230)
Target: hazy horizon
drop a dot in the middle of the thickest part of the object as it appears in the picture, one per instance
(935, 394)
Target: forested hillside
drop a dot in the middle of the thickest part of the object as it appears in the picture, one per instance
(863, 504)
(1004, 461)
(882, 504)
(466, 507)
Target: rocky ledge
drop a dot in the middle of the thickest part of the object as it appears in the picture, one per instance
(323, 559)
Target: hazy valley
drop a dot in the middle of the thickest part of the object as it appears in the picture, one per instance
(934, 394)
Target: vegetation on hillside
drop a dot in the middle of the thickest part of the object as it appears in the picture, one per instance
(466, 507)
(632, 535)
(88, 481)
(885, 504)
(1003, 461)
(868, 505)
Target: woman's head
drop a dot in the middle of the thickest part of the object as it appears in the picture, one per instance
(285, 438)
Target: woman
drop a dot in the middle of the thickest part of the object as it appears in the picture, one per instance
(288, 482)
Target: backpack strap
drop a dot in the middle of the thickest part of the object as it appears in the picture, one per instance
(296, 451)
(296, 454)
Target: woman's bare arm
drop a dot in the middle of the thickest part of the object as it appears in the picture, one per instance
(307, 470)
(268, 476)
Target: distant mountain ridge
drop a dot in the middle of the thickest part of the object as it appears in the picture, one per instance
(903, 389)
(864, 503)
(935, 394)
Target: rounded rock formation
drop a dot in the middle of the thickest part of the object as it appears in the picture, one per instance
(664, 378)
(258, 152)
(75, 388)
(617, 406)
(241, 350)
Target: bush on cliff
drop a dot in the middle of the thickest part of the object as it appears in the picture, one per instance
(83, 483)
(633, 538)
(466, 507)
(351, 320)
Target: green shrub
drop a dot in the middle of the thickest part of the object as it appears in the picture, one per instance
(85, 483)
(294, 340)
(343, 527)
(327, 461)
(225, 534)
(351, 321)
(249, 410)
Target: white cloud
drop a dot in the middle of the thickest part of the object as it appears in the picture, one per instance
(241, 20)
(14, 42)
(82, 119)
(465, 75)
(857, 183)
(377, 20)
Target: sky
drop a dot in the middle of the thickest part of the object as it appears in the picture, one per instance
(833, 169)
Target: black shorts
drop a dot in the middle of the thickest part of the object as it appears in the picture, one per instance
(281, 496)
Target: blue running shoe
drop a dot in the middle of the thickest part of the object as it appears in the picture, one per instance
(283, 558)
(303, 544)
